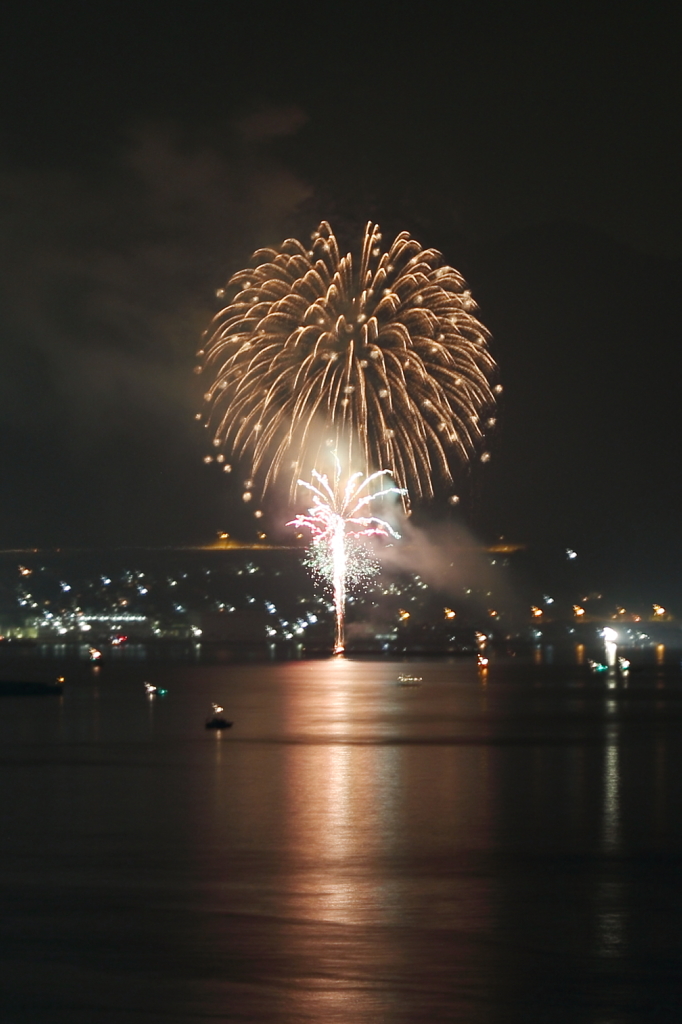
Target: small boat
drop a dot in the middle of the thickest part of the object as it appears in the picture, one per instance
(405, 680)
(155, 691)
(217, 721)
(26, 688)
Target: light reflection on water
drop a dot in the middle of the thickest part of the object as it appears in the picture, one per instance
(611, 782)
(492, 850)
(343, 802)
(611, 896)
(359, 813)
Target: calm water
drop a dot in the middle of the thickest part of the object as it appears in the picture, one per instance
(478, 850)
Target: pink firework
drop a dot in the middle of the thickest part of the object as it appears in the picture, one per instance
(337, 514)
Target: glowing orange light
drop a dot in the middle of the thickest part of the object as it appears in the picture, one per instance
(449, 614)
(578, 611)
(536, 612)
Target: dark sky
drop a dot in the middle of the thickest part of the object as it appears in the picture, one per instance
(148, 148)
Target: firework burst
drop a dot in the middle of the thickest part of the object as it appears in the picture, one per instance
(383, 354)
(337, 517)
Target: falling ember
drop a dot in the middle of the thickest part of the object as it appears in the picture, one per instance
(335, 519)
(382, 352)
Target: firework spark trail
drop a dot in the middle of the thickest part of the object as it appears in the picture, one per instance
(386, 356)
(333, 511)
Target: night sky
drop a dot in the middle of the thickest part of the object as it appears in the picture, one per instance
(147, 149)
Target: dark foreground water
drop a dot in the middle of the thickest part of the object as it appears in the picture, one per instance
(474, 849)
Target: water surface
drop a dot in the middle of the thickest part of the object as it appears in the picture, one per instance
(494, 848)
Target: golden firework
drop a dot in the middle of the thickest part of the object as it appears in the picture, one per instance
(384, 360)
